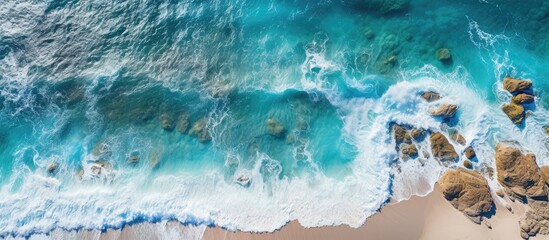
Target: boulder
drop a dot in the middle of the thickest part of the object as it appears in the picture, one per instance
(467, 191)
(409, 150)
(443, 54)
(514, 112)
(519, 172)
(536, 220)
(445, 111)
(430, 96)
(182, 123)
(275, 128)
(441, 148)
(417, 133)
(545, 174)
(166, 122)
(459, 138)
(523, 98)
(468, 164)
(513, 85)
(546, 130)
(401, 135)
(470, 152)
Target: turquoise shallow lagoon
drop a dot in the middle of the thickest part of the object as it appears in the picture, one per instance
(249, 114)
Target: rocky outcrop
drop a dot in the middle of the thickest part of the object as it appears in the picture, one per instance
(523, 98)
(409, 151)
(430, 96)
(514, 112)
(445, 111)
(468, 192)
(514, 85)
(401, 135)
(443, 54)
(441, 148)
(417, 133)
(519, 172)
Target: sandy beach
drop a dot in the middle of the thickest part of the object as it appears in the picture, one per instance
(430, 217)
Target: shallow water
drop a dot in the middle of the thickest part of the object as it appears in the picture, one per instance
(247, 114)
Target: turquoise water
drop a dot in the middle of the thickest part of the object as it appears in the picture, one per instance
(247, 114)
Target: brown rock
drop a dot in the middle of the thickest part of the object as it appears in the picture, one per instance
(545, 174)
(470, 153)
(441, 148)
(536, 219)
(468, 164)
(547, 130)
(523, 98)
(410, 150)
(519, 172)
(500, 193)
(417, 133)
(514, 112)
(443, 54)
(513, 85)
(430, 96)
(201, 130)
(467, 191)
(401, 135)
(459, 138)
(445, 110)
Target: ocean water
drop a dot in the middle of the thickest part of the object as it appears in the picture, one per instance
(274, 110)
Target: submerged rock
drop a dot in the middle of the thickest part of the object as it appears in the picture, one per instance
(430, 96)
(514, 85)
(182, 123)
(166, 122)
(52, 168)
(446, 111)
(443, 54)
(523, 98)
(101, 149)
(545, 174)
(275, 128)
(519, 172)
(442, 149)
(514, 112)
(133, 158)
(468, 192)
(200, 129)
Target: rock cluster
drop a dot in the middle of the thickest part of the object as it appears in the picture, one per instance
(521, 91)
(467, 191)
(406, 138)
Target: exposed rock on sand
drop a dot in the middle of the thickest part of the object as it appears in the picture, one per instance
(513, 85)
(523, 98)
(441, 148)
(519, 172)
(275, 128)
(468, 164)
(443, 54)
(430, 96)
(166, 122)
(468, 192)
(445, 110)
(514, 112)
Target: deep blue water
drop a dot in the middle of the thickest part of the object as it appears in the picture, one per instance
(247, 114)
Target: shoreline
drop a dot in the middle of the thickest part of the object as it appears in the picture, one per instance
(428, 217)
